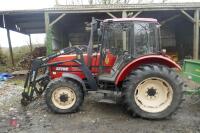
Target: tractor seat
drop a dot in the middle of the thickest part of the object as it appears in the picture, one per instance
(110, 77)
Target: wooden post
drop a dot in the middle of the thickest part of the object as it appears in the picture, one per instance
(196, 35)
(30, 42)
(190, 18)
(46, 18)
(48, 41)
(124, 15)
(10, 47)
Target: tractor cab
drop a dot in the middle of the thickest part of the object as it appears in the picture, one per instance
(127, 39)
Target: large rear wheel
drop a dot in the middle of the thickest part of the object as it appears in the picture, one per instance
(64, 96)
(153, 91)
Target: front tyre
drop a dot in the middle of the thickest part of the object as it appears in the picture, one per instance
(64, 96)
(153, 91)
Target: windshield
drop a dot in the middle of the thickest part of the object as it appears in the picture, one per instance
(138, 38)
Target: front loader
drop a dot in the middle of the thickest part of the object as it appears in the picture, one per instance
(128, 61)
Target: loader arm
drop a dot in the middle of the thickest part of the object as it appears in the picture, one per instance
(30, 84)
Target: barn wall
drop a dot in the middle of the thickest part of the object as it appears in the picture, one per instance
(184, 37)
(177, 39)
(59, 39)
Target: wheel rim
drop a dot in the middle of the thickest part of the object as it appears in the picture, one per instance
(153, 95)
(63, 97)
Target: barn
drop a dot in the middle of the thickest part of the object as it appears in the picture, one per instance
(67, 25)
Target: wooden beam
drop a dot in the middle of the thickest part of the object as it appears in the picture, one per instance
(46, 19)
(10, 47)
(169, 19)
(4, 22)
(57, 19)
(124, 15)
(130, 14)
(196, 35)
(138, 13)
(187, 15)
(30, 42)
(111, 15)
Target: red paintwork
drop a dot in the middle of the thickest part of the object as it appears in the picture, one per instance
(73, 67)
(160, 59)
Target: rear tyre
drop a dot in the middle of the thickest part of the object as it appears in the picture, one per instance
(64, 96)
(153, 91)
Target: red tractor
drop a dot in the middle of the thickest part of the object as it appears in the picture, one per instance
(127, 60)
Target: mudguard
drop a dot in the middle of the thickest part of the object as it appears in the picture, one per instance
(76, 78)
(148, 59)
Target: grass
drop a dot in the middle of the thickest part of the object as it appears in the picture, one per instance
(16, 81)
(3, 68)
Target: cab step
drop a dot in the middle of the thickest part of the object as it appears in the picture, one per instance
(109, 101)
(105, 92)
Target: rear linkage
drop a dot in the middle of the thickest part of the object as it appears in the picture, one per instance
(35, 84)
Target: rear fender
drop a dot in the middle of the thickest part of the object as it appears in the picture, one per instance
(149, 59)
(75, 78)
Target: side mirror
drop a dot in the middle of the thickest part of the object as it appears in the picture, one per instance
(99, 32)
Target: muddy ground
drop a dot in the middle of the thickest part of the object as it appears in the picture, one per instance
(93, 117)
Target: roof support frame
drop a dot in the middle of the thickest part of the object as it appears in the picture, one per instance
(124, 15)
(169, 19)
(138, 13)
(190, 18)
(46, 19)
(196, 35)
(30, 42)
(9, 40)
(111, 15)
(10, 47)
(57, 19)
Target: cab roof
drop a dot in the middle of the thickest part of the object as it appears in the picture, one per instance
(131, 19)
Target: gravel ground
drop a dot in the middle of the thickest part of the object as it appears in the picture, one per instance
(93, 117)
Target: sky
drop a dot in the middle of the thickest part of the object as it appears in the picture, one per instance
(18, 39)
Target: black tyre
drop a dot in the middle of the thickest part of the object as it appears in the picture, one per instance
(153, 91)
(64, 96)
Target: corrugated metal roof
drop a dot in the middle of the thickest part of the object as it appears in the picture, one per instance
(152, 6)
(115, 7)
(22, 11)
